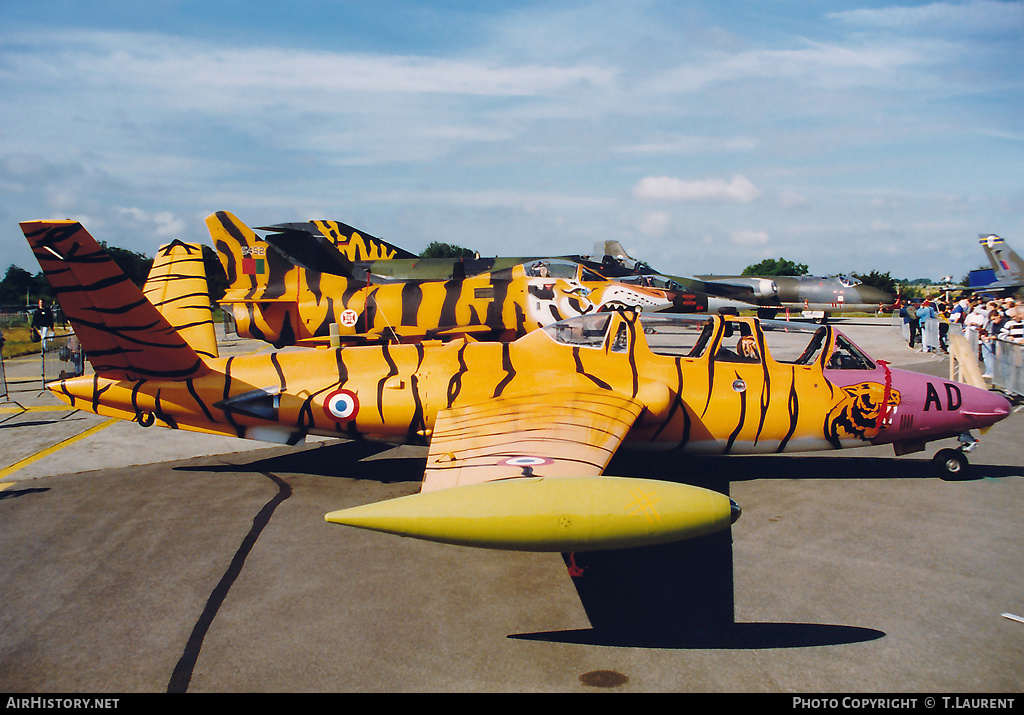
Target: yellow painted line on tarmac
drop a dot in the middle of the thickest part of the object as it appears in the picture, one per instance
(38, 408)
(7, 471)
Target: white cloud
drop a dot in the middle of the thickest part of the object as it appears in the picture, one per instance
(979, 16)
(825, 65)
(161, 224)
(749, 238)
(665, 188)
(676, 144)
(793, 200)
(526, 200)
(526, 125)
(654, 224)
(182, 67)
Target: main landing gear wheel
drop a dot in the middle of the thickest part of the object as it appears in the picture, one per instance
(950, 463)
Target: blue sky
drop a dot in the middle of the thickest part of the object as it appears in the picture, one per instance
(704, 136)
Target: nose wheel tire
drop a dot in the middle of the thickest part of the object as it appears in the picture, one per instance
(950, 463)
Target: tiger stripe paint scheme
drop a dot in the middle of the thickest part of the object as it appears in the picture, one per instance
(355, 245)
(127, 338)
(177, 286)
(276, 300)
(397, 392)
(565, 397)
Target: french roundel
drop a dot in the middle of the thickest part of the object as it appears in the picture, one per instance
(526, 461)
(341, 405)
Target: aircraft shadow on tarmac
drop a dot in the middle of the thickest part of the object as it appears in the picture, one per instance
(361, 460)
(30, 423)
(678, 595)
(15, 493)
(838, 465)
(746, 636)
(356, 460)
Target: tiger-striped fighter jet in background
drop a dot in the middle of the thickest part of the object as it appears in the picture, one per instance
(519, 434)
(377, 261)
(285, 297)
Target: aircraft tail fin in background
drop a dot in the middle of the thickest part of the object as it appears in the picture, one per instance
(177, 286)
(1008, 266)
(256, 272)
(613, 249)
(124, 336)
(352, 243)
(311, 251)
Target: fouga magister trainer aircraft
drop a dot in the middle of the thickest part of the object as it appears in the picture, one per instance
(519, 433)
(276, 296)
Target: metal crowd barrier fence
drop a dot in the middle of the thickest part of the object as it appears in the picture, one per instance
(929, 336)
(61, 356)
(1002, 360)
(5, 395)
(1008, 370)
(229, 322)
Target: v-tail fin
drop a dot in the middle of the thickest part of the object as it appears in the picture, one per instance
(177, 286)
(124, 336)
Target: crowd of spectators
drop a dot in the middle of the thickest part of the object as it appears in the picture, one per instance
(991, 320)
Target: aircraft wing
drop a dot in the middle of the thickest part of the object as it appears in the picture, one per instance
(719, 288)
(524, 473)
(546, 434)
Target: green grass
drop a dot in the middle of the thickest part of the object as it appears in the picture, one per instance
(19, 342)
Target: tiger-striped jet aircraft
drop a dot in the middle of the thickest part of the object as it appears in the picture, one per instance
(276, 296)
(378, 261)
(519, 433)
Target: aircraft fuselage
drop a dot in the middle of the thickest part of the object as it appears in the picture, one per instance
(709, 402)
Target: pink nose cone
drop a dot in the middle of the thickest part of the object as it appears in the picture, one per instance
(982, 408)
(933, 408)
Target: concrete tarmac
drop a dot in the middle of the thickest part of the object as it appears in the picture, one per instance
(150, 560)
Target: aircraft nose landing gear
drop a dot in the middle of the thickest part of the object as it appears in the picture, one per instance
(952, 463)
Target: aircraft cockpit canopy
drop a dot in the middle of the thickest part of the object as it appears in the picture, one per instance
(848, 281)
(561, 268)
(651, 280)
(586, 331)
(848, 356)
(691, 336)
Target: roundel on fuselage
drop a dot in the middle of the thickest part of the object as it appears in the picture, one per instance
(341, 405)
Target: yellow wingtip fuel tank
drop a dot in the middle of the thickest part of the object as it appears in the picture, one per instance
(563, 515)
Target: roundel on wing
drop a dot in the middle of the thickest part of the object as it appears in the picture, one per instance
(525, 461)
(341, 405)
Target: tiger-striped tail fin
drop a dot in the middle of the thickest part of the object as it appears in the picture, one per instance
(256, 272)
(124, 336)
(177, 286)
(352, 243)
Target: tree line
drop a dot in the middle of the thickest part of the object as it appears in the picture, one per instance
(19, 287)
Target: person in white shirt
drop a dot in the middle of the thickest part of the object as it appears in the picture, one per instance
(1012, 330)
